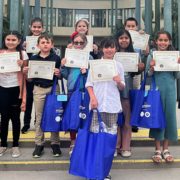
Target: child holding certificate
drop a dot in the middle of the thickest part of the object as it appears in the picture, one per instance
(104, 95)
(12, 92)
(41, 88)
(79, 41)
(165, 81)
(123, 143)
(36, 28)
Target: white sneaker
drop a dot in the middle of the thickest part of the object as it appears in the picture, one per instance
(108, 177)
(126, 153)
(15, 152)
(115, 153)
(3, 151)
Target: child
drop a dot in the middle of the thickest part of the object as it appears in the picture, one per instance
(79, 41)
(123, 143)
(105, 95)
(165, 81)
(12, 94)
(41, 88)
(36, 28)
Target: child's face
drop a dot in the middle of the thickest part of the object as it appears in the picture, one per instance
(108, 53)
(11, 42)
(131, 25)
(78, 43)
(45, 45)
(82, 27)
(36, 28)
(162, 42)
(124, 41)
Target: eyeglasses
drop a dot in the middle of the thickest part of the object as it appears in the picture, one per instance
(78, 43)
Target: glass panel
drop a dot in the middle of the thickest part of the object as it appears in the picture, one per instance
(81, 14)
(65, 17)
(98, 18)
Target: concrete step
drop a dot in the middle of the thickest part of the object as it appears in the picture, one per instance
(141, 159)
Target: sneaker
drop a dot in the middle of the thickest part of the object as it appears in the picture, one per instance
(38, 151)
(56, 150)
(2, 150)
(126, 153)
(115, 153)
(25, 129)
(15, 152)
(108, 177)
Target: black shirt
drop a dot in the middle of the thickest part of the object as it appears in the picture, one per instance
(52, 57)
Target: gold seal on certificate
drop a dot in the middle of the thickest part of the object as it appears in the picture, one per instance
(128, 60)
(76, 58)
(140, 41)
(166, 60)
(41, 69)
(103, 70)
(8, 62)
(31, 44)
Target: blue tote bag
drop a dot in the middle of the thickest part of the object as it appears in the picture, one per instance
(53, 110)
(77, 108)
(93, 152)
(120, 120)
(147, 109)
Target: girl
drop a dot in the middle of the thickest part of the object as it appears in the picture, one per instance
(165, 82)
(79, 41)
(12, 94)
(36, 28)
(123, 143)
(105, 95)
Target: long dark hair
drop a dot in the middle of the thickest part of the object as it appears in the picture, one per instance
(120, 33)
(170, 47)
(36, 19)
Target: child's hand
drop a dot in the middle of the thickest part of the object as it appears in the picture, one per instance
(63, 61)
(117, 79)
(93, 102)
(20, 62)
(70, 46)
(119, 82)
(141, 32)
(83, 70)
(25, 69)
(152, 64)
(179, 60)
(57, 72)
(141, 67)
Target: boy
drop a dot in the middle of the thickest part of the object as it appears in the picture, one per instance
(41, 88)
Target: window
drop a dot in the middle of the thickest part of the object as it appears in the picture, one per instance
(65, 17)
(81, 14)
(98, 18)
(43, 16)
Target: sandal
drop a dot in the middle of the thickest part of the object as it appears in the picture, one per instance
(167, 156)
(157, 157)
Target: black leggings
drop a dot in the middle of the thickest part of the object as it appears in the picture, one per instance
(10, 109)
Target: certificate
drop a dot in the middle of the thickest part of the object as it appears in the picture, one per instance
(76, 58)
(166, 60)
(128, 60)
(41, 69)
(31, 44)
(89, 46)
(103, 70)
(140, 41)
(8, 62)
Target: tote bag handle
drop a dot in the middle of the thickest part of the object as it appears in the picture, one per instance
(53, 90)
(153, 83)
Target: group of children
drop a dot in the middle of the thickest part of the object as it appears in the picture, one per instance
(109, 97)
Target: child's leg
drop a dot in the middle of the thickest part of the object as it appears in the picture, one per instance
(157, 157)
(165, 153)
(126, 130)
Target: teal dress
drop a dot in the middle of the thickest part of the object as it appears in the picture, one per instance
(166, 83)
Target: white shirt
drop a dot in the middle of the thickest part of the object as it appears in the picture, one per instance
(10, 79)
(107, 92)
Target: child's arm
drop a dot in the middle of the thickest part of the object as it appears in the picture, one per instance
(93, 100)
(119, 81)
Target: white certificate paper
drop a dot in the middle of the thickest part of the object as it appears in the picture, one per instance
(166, 60)
(76, 58)
(140, 41)
(89, 46)
(41, 69)
(31, 44)
(128, 60)
(8, 62)
(103, 70)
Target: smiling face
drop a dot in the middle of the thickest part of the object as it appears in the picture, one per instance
(108, 52)
(36, 28)
(163, 42)
(82, 27)
(123, 41)
(131, 25)
(78, 42)
(11, 42)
